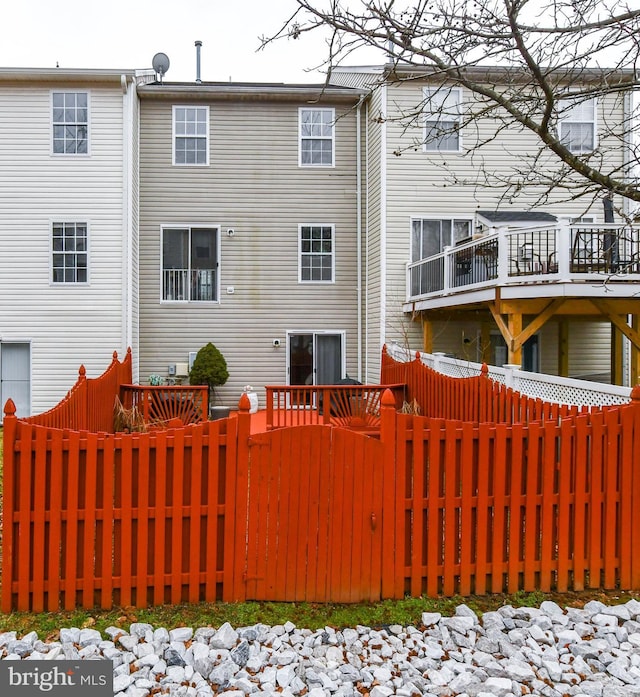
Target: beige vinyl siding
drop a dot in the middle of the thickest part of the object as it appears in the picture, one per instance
(255, 186)
(67, 325)
(374, 154)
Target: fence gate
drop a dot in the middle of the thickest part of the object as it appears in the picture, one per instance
(314, 516)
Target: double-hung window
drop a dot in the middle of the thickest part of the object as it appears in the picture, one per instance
(70, 254)
(430, 237)
(317, 258)
(190, 135)
(190, 263)
(317, 138)
(70, 116)
(577, 127)
(441, 114)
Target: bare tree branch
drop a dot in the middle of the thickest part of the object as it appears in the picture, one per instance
(525, 65)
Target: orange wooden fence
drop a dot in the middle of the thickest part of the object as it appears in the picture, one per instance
(209, 512)
(478, 399)
(89, 403)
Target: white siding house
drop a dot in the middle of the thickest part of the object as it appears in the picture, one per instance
(67, 228)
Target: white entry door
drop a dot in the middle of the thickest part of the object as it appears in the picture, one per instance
(15, 376)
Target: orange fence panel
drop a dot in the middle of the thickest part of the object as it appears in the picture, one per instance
(428, 505)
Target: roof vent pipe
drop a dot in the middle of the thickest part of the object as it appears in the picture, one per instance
(198, 45)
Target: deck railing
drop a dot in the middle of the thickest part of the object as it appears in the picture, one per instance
(555, 253)
(163, 405)
(354, 406)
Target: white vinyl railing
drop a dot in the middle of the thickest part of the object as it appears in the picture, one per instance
(554, 253)
(550, 388)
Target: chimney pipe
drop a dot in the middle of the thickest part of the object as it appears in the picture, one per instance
(198, 45)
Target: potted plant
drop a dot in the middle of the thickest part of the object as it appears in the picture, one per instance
(210, 368)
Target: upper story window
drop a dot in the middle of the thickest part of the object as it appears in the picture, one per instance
(577, 128)
(190, 263)
(70, 254)
(317, 141)
(70, 115)
(316, 253)
(430, 237)
(441, 111)
(190, 135)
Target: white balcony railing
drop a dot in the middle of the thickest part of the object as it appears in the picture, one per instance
(194, 284)
(559, 253)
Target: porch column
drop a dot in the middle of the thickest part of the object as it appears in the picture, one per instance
(515, 328)
(427, 335)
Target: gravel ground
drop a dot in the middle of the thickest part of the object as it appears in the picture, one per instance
(547, 651)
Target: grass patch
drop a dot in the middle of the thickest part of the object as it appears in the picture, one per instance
(309, 615)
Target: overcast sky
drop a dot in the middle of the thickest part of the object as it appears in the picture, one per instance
(128, 33)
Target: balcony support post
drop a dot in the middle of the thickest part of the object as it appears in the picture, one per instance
(514, 324)
(427, 335)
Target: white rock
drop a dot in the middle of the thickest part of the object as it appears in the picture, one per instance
(226, 637)
(181, 634)
(121, 683)
(431, 618)
(498, 687)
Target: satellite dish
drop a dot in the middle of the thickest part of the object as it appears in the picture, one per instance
(160, 64)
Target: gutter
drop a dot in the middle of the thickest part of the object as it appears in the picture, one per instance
(359, 231)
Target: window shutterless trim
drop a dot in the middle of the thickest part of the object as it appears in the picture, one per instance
(568, 121)
(52, 124)
(438, 219)
(190, 227)
(194, 136)
(87, 253)
(317, 137)
(437, 116)
(318, 254)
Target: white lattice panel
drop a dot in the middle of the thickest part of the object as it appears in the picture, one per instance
(549, 388)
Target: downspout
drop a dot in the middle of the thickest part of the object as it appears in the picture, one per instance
(383, 224)
(128, 189)
(366, 243)
(359, 231)
(127, 215)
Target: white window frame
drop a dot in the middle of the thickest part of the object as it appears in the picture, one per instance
(441, 98)
(312, 254)
(190, 227)
(187, 134)
(453, 240)
(87, 124)
(52, 252)
(302, 136)
(571, 116)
